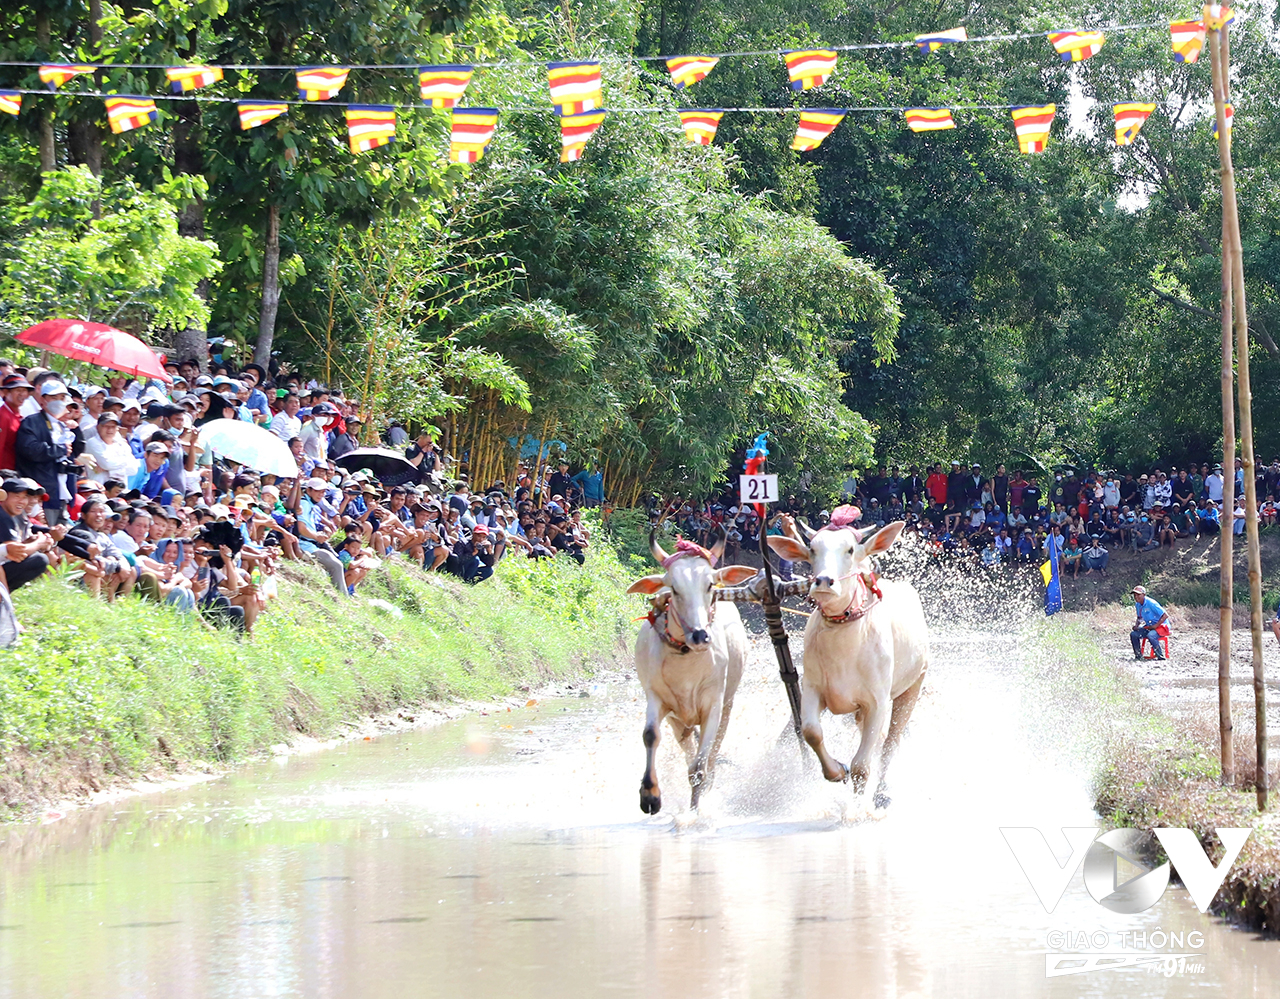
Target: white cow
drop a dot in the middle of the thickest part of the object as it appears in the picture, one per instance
(866, 647)
(689, 657)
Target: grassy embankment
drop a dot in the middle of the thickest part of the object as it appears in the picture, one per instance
(1153, 770)
(93, 695)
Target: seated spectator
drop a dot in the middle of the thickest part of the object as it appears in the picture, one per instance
(357, 564)
(1096, 557)
(1072, 556)
(1143, 535)
(1209, 523)
(106, 571)
(24, 552)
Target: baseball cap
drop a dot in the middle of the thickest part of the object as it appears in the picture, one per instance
(316, 483)
(132, 404)
(15, 381)
(21, 485)
(156, 447)
(1140, 591)
(108, 418)
(53, 387)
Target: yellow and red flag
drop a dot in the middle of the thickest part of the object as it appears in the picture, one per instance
(54, 76)
(1032, 125)
(127, 113)
(185, 78)
(575, 131)
(1188, 40)
(1217, 15)
(443, 86)
(575, 86)
(1077, 46)
(472, 132)
(1230, 114)
(370, 126)
(815, 126)
(935, 41)
(929, 119)
(1130, 117)
(320, 83)
(686, 70)
(255, 113)
(10, 101)
(700, 124)
(809, 68)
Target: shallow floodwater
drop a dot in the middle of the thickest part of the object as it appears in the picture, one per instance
(506, 855)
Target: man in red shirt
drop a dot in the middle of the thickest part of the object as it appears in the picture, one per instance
(936, 485)
(15, 389)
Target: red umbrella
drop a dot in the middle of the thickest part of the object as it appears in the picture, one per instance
(102, 345)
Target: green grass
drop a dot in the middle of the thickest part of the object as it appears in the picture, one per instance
(113, 691)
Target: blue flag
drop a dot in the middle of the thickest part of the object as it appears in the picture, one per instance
(1052, 585)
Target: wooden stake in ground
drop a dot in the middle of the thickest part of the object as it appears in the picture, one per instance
(1225, 595)
(1231, 229)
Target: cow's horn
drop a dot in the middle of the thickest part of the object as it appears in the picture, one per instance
(865, 536)
(806, 531)
(655, 548)
(718, 548)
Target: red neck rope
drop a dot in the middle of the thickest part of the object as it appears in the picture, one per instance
(869, 583)
(664, 632)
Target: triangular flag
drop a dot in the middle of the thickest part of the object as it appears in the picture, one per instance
(1188, 40)
(319, 83)
(1032, 125)
(685, 70)
(575, 86)
(370, 126)
(929, 119)
(1130, 117)
(1077, 46)
(472, 132)
(56, 75)
(1046, 572)
(184, 78)
(10, 101)
(255, 113)
(443, 86)
(1230, 114)
(575, 131)
(127, 113)
(815, 126)
(1217, 15)
(700, 124)
(935, 41)
(809, 68)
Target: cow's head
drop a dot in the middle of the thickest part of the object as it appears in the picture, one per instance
(837, 556)
(689, 579)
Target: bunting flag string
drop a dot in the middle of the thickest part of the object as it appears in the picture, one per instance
(10, 101)
(1130, 117)
(575, 86)
(55, 76)
(370, 126)
(1032, 126)
(686, 70)
(443, 86)
(929, 119)
(815, 126)
(1230, 113)
(124, 114)
(255, 113)
(700, 124)
(471, 134)
(575, 131)
(187, 78)
(320, 83)
(809, 68)
(1188, 40)
(931, 43)
(1077, 46)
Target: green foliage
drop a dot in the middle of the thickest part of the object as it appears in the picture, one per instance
(128, 267)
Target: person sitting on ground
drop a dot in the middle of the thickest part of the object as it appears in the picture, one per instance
(1150, 618)
(24, 553)
(1209, 523)
(106, 571)
(1143, 535)
(356, 562)
(1072, 556)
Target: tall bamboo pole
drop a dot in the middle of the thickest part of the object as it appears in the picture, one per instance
(1226, 535)
(1231, 224)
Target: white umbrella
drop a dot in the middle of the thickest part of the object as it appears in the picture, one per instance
(250, 445)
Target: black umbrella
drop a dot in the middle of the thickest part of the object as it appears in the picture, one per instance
(391, 468)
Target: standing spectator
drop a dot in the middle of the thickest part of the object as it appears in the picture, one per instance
(1030, 499)
(44, 449)
(935, 485)
(348, 440)
(1000, 489)
(16, 389)
(560, 480)
(285, 424)
(1182, 491)
(1213, 485)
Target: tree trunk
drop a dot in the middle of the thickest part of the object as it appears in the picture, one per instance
(190, 344)
(270, 289)
(48, 152)
(1228, 451)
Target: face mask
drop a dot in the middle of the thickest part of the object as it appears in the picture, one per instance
(1144, 520)
(55, 407)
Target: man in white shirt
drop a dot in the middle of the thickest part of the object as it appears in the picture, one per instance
(94, 398)
(1213, 484)
(285, 424)
(315, 433)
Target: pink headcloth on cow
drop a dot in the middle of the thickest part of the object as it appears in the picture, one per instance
(685, 547)
(844, 516)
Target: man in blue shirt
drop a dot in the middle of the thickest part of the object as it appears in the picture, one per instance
(1150, 617)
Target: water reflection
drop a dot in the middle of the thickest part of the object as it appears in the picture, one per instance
(414, 865)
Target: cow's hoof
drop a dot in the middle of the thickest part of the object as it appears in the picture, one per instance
(881, 798)
(840, 775)
(859, 781)
(650, 802)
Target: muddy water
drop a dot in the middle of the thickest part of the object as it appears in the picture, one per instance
(506, 856)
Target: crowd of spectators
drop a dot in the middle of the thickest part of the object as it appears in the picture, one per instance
(113, 483)
(968, 517)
